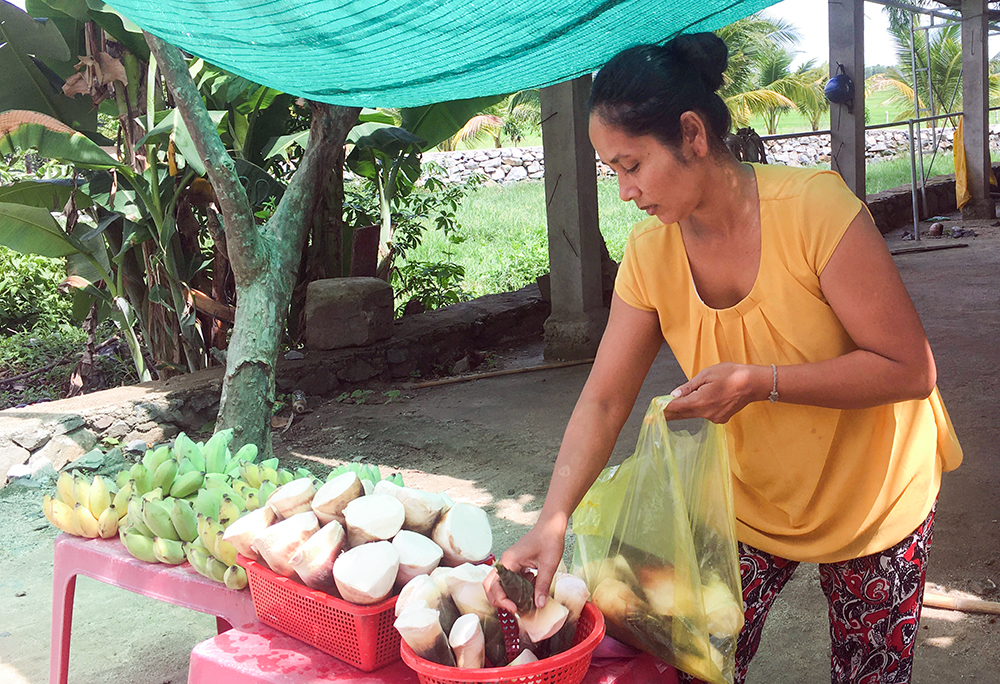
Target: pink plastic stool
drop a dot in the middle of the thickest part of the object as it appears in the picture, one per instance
(106, 560)
(259, 654)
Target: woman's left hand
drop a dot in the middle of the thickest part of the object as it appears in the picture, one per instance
(718, 392)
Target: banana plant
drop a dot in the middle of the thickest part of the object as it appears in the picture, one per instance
(27, 223)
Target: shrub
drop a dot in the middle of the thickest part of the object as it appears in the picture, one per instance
(29, 295)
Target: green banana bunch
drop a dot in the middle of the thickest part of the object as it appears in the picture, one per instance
(163, 476)
(185, 449)
(156, 515)
(168, 551)
(187, 484)
(217, 451)
(184, 519)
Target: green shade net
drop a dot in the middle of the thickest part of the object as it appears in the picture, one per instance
(407, 53)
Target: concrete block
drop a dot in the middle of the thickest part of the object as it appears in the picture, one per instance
(62, 449)
(348, 312)
(10, 457)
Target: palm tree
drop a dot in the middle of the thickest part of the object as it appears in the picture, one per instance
(759, 80)
(513, 118)
(812, 102)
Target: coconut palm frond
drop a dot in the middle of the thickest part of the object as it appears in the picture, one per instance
(479, 125)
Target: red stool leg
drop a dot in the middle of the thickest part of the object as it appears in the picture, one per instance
(221, 625)
(63, 590)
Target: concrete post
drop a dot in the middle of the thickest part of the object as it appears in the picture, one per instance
(574, 328)
(975, 100)
(847, 131)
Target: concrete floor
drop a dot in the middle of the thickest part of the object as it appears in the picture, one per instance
(493, 441)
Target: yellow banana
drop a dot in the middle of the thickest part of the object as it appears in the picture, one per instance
(156, 515)
(64, 489)
(216, 569)
(134, 517)
(58, 513)
(184, 519)
(81, 489)
(85, 522)
(168, 551)
(229, 512)
(252, 501)
(235, 577)
(99, 498)
(268, 473)
(140, 546)
(224, 550)
(153, 495)
(198, 557)
(120, 502)
(250, 472)
(107, 524)
(207, 532)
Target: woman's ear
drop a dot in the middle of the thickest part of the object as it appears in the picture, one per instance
(694, 136)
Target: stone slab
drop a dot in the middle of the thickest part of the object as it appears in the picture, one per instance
(347, 312)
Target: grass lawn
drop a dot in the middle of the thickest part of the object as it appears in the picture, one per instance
(505, 244)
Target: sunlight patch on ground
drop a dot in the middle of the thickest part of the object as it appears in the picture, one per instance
(941, 642)
(514, 510)
(10, 675)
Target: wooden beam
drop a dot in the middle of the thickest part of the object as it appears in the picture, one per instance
(576, 324)
(847, 128)
(975, 100)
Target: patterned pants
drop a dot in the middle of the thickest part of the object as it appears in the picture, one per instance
(874, 605)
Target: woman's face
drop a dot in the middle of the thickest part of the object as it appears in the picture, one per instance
(656, 178)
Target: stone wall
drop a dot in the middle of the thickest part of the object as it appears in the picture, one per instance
(50, 434)
(511, 164)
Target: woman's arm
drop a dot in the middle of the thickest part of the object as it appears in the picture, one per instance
(629, 345)
(893, 361)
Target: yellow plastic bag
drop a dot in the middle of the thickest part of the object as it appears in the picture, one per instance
(656, 544)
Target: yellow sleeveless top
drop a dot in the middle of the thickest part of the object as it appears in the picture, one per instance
(810, 484)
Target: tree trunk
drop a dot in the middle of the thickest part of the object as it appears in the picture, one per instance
(264, 259)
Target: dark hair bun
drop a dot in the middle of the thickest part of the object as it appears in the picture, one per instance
(706, 53)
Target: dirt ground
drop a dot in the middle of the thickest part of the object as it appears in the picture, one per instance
(492, 442)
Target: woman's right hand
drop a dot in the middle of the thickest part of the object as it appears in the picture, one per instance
(541, 549)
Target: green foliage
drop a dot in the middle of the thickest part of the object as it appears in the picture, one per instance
(433, 284)
(29, 295)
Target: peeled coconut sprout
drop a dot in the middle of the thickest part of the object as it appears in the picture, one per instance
(279, 542)
(365, 574)
(466, 639)
(464, 534)
(658, 586)
(331, 499)
(292, 498)
(423, 509)
(725, 616)
(242, 532)
(543, 622)
(525, 658)
(571, 591)
(313, 562)
(617, 601)
(421, 630)
(420, 588)
(440, 577)
(465, 584)
(418, 555)
(373, 518)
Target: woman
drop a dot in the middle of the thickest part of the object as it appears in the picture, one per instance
(780, 301)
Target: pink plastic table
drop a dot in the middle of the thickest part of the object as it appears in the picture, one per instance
(106, 560)
(259, 654)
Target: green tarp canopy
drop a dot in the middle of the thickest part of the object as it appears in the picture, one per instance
(407, 53)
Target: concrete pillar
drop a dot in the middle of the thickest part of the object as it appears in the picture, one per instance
(574, 328)
(975, 71)
(847, 131)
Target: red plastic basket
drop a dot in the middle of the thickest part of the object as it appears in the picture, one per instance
(568, 667)
(360, 635)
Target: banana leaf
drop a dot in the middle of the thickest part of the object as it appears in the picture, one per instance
(51, 195)
(67, 147)
(173, 123)
(438, 122)
(33, 230)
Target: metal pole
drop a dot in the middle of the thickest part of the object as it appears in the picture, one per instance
(913, 186)
(930, 91)
(916, 108)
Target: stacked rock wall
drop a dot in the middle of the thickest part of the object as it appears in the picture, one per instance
(511, 164)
